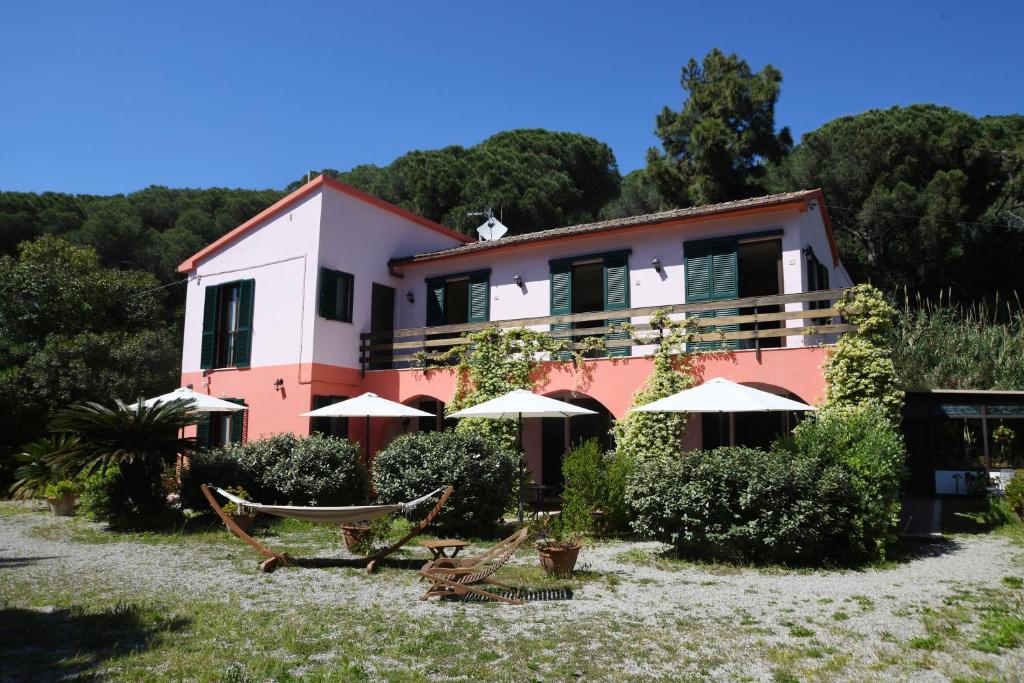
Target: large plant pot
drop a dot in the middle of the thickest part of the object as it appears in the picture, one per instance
(62, 507)
(244, 522)
(355, 535)
(559, 560)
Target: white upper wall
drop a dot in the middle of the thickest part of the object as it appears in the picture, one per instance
(359, 238)
(280, 255)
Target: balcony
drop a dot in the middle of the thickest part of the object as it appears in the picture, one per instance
(749, 323)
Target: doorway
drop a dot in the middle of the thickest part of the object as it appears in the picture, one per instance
(760, 274)
(382, 320)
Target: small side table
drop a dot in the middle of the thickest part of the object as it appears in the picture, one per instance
(442, 549)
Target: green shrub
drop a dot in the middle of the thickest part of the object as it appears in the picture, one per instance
(65, 488)
(742, 504)
(124, 501)
(483, 476)
(95, 499)
(282, 469)
(234, 509)
(1015, 493)
(585, 470)
(870, 450)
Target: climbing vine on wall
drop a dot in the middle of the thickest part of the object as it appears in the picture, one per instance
(860, 369)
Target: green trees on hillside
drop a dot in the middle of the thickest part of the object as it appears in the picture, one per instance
(70, 330)
(537, 178)
(922, 197)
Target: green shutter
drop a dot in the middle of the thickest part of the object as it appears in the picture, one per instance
(243, 338)
(616, 298)
(561, 298)
(435, 301)
(328, 294)
(479, 306)
(238, 419)
(209, 327)
(203, 431)
(712, 273)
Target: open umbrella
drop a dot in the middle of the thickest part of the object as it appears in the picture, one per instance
(366, 406)
(517, 404)
(720, 395)
(198, 403)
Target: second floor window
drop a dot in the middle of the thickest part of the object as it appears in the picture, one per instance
(458, 299)
(336, 295)
(227, 325)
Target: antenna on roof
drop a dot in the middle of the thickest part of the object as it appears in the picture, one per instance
(492, 228)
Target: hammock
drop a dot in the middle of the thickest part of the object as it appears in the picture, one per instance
(329, 515)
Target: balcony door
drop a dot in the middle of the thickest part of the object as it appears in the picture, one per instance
(382, 320)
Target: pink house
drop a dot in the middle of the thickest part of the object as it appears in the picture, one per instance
(329, 292)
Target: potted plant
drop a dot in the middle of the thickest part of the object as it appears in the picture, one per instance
(558, 546)
(239, 514)
(356, 536)
(62, 496)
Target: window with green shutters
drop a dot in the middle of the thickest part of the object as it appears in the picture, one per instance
(331, 426)
(217, 429)
(712, 273)
(614, 295)
(458, 299)
(336, 295)
(227, 325)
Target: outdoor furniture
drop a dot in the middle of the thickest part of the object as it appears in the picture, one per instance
(439, 550)
(332, 515)
(454, 577)
(366, 406)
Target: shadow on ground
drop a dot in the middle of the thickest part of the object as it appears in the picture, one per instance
(63, 644)
(12, 562)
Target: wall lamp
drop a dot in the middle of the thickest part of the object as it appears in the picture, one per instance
(657, 264)
(517, 278)
(410, 297)
(278, 384)
(189, 385)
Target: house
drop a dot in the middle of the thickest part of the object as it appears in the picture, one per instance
(329, 293)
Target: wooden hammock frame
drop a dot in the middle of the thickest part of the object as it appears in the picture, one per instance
(274, 559)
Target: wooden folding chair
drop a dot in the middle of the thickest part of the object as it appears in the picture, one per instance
(454, 577)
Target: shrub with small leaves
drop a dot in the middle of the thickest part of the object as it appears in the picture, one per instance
(1015, 493)
(65, 488)
(585, 470)
(282, 469)
(483, 476)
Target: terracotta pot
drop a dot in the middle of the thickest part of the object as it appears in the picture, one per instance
(63, 507)
(244, 522)
(559, 560)
(355, 534)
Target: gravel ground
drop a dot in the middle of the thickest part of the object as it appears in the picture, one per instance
(877, 605)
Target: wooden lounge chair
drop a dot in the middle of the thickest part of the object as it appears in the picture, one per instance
(453, 577)
(275, 559)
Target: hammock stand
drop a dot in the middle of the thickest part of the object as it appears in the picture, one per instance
(275, 559)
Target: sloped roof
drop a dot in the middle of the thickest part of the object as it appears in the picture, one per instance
(309, 188)
(802, 198)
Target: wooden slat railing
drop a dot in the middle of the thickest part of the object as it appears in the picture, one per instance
(398, 348)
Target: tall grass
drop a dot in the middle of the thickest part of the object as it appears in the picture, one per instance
(941, 345)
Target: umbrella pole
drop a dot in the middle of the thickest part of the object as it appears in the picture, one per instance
(732, 429)
(366, 442)
(522, 456)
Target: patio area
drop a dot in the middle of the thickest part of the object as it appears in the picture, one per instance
(80, 599)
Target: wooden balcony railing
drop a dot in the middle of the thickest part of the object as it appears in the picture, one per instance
(764, 318)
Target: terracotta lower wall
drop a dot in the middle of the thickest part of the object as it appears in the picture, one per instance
(612, 382)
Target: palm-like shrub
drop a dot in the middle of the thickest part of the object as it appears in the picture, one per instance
(138, 441)
(35, 470)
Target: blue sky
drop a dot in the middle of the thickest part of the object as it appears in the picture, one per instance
(111, 97)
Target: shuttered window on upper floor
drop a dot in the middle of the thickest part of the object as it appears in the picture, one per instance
(336, 296)
(568, 275)
(458, 299)
(227, 325)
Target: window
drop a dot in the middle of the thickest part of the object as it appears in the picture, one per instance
(227, 325)
(336, 295)
(458, 299)
(436, 421)
(217, 429)
(331, 426)
(591, 283)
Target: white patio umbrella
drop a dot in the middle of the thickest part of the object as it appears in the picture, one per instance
(517, 404)
(366, 406)
(199, 403)
(720, 395)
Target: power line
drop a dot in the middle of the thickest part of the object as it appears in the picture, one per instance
(907, 215)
